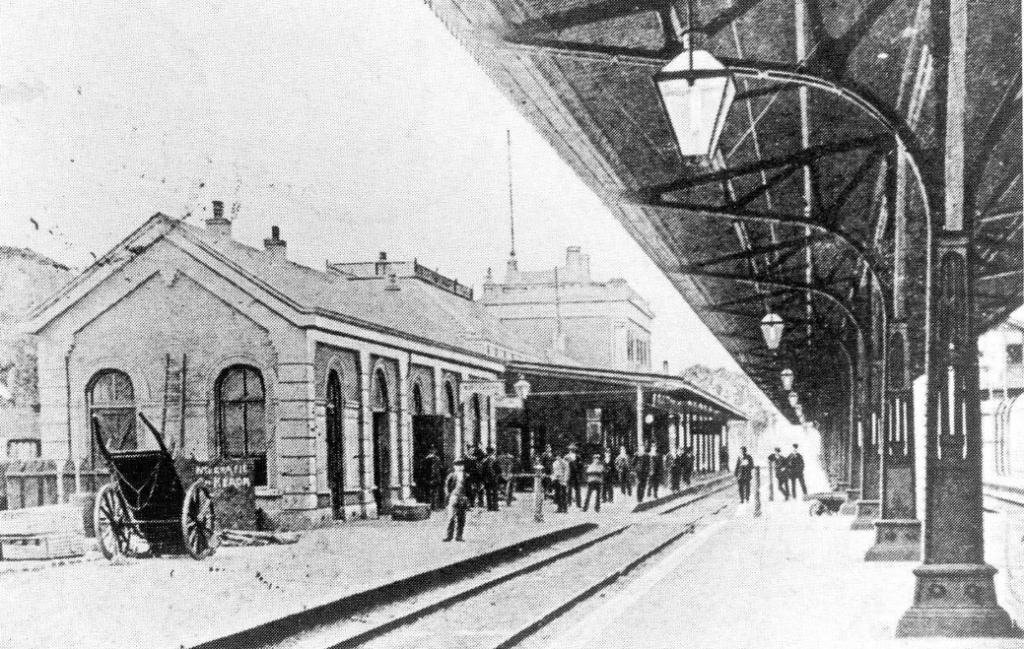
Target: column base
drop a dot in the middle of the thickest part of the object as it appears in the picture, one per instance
(850, 506)
(867, 512)
(896, 539)
(955, 600)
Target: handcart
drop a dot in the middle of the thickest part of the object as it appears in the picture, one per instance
(147, 501)
(826, 503)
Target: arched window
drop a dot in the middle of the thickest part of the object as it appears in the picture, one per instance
(111, 400)
(241, 421)
(449, 399)
(381, 403)
(417, 399)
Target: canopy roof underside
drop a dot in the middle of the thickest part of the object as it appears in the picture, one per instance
(792, 217)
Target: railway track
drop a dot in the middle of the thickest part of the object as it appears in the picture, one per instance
(507, 606)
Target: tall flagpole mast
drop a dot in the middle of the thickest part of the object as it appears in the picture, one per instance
(511, 206)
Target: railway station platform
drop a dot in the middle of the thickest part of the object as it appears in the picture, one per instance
(785, 580)
(176, 601)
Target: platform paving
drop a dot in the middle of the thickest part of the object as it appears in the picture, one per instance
(176, 601)
(785, 580)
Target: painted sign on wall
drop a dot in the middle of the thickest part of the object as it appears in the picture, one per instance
(230, 481)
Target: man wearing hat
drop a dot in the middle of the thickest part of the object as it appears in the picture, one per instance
(778, 460)
(575, 475)
(458, 501)
(744, 474)
(795, 471)
(491, 472)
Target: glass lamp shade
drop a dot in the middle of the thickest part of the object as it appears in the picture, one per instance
(697, 92)
(794, 399)
(649, 419)
(771, 328)
(787, 379)
(522, 387)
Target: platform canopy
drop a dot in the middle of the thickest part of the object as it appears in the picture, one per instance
(821, 168)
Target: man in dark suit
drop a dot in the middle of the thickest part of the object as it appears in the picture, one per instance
(687, 462)
(795, 471)
(744, 474)
(643, 471)
(491, 473)
(657, 471)
(547, 460)
(458, 501)
(575, 476)
(433, 474)
(469, 470)
(777, 461)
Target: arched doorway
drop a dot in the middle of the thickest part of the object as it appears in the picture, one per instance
(381, 443)
(427, 436)
(335, 412)
(476, 420)
(449, 451)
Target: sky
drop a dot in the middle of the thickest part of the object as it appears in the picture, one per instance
(357, 127)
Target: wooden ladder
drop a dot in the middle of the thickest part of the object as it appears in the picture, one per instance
(172, 418)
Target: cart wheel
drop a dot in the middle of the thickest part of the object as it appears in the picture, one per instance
(198, 521)
(817, 508)
(113, 523)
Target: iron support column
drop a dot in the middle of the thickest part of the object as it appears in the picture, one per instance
(898, 531)
(955, 592)
(867, 505)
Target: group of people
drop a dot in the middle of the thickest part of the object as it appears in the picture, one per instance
(479, 476)
(475, 481)
(789, 472)
(647, 470)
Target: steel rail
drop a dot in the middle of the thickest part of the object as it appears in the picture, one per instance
(548, 616)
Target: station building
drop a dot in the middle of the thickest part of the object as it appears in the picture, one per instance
(597, 324)
(322, 377)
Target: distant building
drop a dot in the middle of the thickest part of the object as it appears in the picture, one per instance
(1001, 379)
(1001, 360)
(26, 279)
(598, 324)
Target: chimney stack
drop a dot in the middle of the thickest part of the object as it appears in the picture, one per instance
(218, 225)
(664, 367)
(275, 246)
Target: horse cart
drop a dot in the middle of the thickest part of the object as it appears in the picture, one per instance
(146, 501)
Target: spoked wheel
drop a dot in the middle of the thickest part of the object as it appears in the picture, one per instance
(198, 521)
(112, 522)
